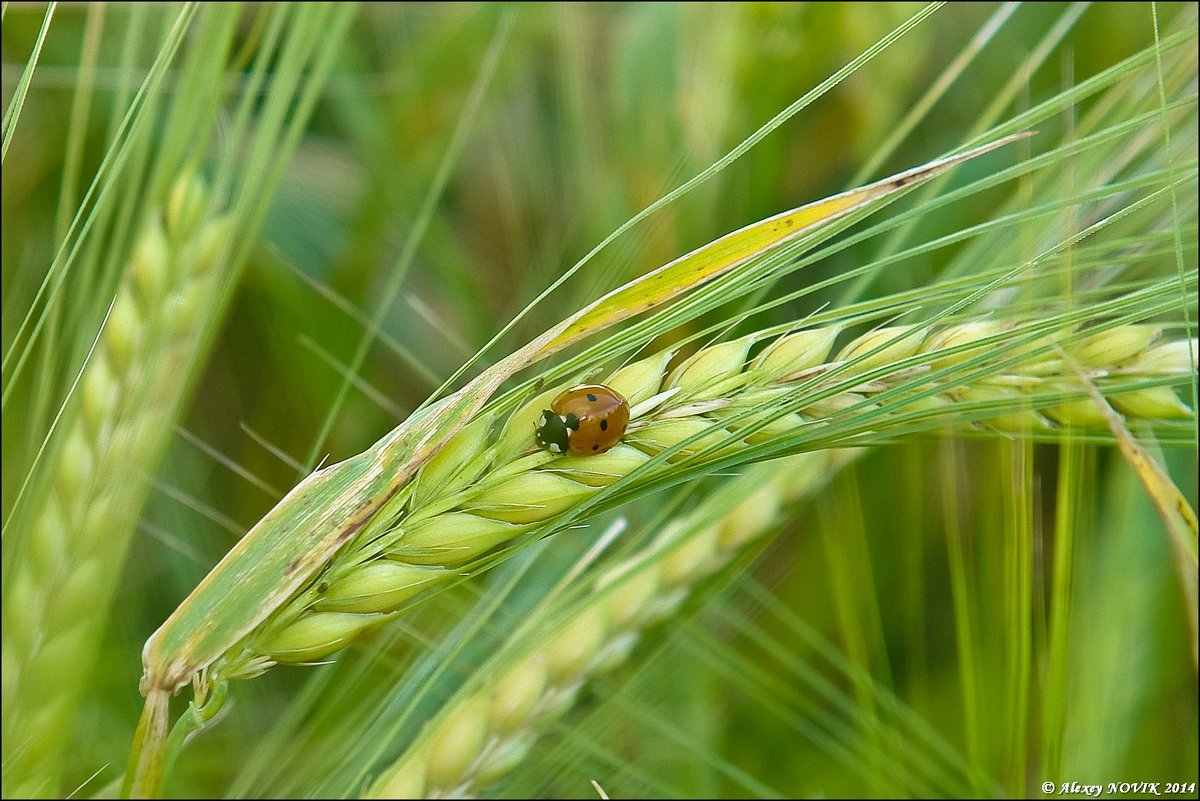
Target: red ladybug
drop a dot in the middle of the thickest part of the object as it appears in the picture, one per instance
(584, 420)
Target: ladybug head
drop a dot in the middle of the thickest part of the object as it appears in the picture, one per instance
(553, 431)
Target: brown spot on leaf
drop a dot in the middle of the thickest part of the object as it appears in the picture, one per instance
(351, 530)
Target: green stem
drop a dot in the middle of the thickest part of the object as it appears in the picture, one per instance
(192, 721)
(143, 778)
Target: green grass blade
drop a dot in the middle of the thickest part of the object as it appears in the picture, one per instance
(13, 113)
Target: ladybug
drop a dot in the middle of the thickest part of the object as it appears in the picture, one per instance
(584, 420)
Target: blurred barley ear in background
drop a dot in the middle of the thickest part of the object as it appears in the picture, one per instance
(240, 241)
(111, 404)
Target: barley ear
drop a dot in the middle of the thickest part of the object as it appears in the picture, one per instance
(128, 394)
(480, 495)
(489, 733)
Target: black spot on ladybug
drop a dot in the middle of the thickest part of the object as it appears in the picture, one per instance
(603, 425)
(595, 447)
(591, 397)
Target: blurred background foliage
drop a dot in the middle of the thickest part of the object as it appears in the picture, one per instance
(595, 111)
